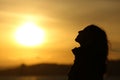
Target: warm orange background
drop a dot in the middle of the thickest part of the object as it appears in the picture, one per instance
(61, 20)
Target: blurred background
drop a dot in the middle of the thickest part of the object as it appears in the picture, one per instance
(42, 32)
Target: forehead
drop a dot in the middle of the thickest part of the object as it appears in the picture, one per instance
(80, 31)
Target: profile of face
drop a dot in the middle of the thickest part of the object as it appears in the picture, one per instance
(80, 37)
(91, 35)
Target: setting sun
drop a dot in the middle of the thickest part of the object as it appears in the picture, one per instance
(29, 34)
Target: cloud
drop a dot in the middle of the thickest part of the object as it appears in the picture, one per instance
(64, 10)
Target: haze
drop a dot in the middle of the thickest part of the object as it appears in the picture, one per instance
(61, 20)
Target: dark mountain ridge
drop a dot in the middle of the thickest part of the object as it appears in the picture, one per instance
(113, 68)
(36, 70)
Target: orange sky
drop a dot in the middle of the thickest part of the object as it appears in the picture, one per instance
(61, 20)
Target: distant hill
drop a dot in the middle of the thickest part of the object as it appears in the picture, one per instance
(36, 70)
(113, 67)
(52, 69)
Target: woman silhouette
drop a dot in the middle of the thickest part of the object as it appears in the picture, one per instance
(91, 56)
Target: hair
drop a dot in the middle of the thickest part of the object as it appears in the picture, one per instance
(97, 38)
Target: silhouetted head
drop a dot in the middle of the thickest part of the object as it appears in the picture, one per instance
(92, 36)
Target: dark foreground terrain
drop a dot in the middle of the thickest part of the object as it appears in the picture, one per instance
(113, 69)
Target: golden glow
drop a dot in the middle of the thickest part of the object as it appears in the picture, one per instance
(29, 34)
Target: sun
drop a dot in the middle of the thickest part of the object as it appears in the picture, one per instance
(29, 34)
